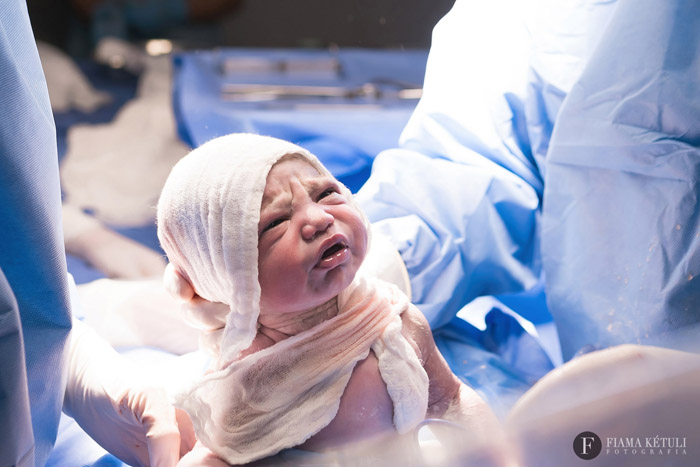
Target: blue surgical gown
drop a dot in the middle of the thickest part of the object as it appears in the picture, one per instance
(34, 304)
(555, 138)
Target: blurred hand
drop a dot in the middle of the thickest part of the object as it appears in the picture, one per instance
(128, 416)
(144, 429)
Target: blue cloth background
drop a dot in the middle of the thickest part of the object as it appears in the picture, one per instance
(621, 220)
(559, 137)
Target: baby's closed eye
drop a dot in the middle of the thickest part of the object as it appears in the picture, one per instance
(270, 223)
(328, 192)
(331, 194)
(274, 223)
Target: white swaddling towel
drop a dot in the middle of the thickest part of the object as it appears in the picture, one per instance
(278, 397)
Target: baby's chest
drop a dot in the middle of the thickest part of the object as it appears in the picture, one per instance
(366, 399)
(365, 409)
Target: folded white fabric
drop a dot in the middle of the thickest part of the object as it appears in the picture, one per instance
(278, 397)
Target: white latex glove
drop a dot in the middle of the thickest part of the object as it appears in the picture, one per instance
(208, 317)
(115, 255)
(136, 313)
(128, 416)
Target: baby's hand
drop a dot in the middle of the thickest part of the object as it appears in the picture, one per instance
(208, 317)
(176, 284)
(201, 456)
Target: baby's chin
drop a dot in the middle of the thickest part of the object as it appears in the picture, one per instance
(340, 278)
(319, 292)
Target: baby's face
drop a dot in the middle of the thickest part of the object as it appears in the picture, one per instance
(311, 239)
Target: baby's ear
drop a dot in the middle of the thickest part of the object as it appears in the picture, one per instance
(176, 284)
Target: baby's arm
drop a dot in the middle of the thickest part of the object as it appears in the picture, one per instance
(448, 397)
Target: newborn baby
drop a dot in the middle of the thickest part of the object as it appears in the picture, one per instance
(312, 354)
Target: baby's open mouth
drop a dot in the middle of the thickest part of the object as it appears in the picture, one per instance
(333, 249)
(335, 254)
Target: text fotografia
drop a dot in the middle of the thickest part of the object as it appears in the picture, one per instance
(654, 446)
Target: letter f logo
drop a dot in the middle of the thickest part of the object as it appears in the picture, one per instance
(587, 445)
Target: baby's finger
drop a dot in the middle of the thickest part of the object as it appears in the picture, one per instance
(187, 436)
(164, 448)
(176, 284)
(162, 432)
(200, 456)
(205, 315)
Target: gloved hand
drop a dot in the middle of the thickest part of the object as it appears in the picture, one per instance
(119, 408)
(135, 313)
(208, 317)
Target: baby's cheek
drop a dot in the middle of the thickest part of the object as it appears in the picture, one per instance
(278, 289)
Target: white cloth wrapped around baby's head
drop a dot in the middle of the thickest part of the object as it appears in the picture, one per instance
(208, 217)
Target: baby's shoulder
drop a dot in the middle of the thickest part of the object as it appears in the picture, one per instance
(416, 330)
(414, 325)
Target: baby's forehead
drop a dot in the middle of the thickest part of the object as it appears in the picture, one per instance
(296, 167)
(297, 161)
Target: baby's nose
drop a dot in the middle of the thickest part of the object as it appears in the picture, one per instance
(316, 221)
